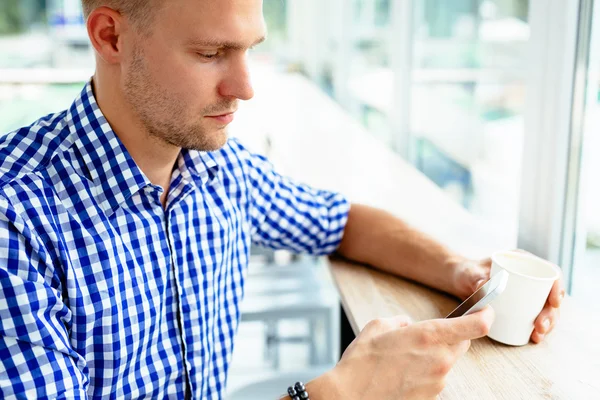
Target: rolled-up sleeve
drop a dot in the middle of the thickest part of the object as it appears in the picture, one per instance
(36, 358)
(285, 214)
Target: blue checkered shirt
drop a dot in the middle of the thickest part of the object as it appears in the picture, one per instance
(106, 294)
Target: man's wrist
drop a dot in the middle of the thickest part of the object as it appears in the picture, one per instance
(324, 387)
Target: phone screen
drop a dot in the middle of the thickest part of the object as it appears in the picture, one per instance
(469, 303)
(494, 286)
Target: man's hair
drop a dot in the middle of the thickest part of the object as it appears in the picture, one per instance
(140, 12)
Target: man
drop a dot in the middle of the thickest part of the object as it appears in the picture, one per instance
(126, 221)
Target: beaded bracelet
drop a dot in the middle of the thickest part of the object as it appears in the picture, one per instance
(298, 392)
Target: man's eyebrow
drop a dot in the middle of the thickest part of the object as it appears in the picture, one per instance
(224, 44)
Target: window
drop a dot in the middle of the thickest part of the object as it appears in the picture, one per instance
(369, 66)
(42, 43)
(468, 89)
(581, 236)
(463, 63)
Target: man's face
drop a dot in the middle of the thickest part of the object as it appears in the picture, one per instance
(185, 78)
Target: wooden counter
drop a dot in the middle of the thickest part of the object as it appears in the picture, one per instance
(565, 366)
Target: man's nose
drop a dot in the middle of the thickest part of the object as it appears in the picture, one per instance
(237, 80)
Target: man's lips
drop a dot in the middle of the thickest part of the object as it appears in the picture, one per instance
(222, 118)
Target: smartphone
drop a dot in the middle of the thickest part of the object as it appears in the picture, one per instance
(483, 296)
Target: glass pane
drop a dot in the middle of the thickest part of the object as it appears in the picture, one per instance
(586, 236)
(50, 38)
(369, 74)
(22, 104)
(41, 34)
(272, 51)
(586, 267)
(467, 102)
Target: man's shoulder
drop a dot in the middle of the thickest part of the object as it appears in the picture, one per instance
(28, 150)
(36, 187)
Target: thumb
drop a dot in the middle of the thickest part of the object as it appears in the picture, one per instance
(467, 327)
(479, 284)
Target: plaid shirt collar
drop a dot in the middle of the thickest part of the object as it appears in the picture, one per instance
(110, 166)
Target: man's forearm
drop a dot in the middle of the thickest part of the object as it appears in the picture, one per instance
(376, 237)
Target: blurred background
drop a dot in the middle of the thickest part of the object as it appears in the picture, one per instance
(446, 85)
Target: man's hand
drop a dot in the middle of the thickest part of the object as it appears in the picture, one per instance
(470, 275)
(392, 359)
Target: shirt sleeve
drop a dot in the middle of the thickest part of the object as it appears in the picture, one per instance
(36, 358)
(288, 215)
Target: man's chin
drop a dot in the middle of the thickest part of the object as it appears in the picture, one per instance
(213, 141)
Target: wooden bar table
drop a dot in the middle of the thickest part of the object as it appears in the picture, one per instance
(565, 366)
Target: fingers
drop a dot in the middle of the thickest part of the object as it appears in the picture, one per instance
(471, 276)
(473, 326)
(548, 318)
(382, 325)
(486, 262)
(556, 294)
(544, 323)
(479, 284)
(537, 337)
(402, 320)
(463, 347)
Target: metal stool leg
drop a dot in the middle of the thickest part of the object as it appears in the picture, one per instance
(314, 352)
(271, 343)
(328, 356)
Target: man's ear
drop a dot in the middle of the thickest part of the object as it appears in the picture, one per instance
(105, 27)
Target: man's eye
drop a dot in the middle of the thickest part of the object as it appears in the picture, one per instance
(208, 56)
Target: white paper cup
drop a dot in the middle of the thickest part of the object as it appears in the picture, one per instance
(530, 280)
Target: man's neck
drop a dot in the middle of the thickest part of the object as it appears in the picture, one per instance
(154, 157)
